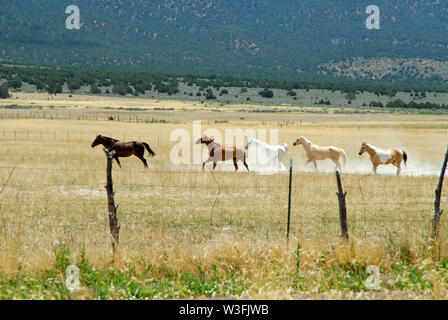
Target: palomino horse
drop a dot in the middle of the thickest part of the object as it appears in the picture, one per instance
(124, 149)
(314, 152)
(217, 152)
(378, 156)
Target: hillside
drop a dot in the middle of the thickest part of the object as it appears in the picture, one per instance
(256, 38)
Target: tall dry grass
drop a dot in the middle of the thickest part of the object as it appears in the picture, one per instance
(170, 222)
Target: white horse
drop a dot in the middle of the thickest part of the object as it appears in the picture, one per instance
(268, 155)
(315, 152)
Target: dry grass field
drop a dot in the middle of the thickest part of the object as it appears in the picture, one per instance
(186, 234)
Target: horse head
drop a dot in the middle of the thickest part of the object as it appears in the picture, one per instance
(299, 140)
(97, 141)
(286, 146)
(363, 148)
(249, 141)
(205, 140)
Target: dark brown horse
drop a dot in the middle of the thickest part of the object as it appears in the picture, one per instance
(217, 153)
(124, 149)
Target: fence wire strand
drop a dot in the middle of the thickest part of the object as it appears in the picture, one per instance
(276, 204)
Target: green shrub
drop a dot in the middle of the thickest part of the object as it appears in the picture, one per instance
(4, 92)
(14, 84)
(121, 89)
(209, 95)
(266, 93)
(95, 90)
(54, 87)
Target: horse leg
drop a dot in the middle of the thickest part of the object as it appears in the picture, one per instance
(206, 161)
(245, 164)
(214, 165)
(139, 153)
(144, 161)
(398, 171)
(235, 164)
(118, 161)
(374, 170)
(338, 165)
(315, 165)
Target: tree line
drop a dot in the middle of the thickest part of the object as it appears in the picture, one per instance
(123, 82)
(400, 104)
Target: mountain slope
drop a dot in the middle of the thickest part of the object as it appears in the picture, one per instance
(262, 38)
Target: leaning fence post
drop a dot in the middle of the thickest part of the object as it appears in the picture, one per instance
(113, 220)
(342, 207)
(437, 212)
(289, 198)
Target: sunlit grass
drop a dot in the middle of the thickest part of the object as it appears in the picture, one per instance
(174, 243)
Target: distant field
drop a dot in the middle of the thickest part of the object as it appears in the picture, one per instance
(90, 107)
(307, 98)
(176, 242)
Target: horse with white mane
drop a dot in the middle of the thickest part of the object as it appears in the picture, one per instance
(273, 154)
(378, 156)
(315, 152)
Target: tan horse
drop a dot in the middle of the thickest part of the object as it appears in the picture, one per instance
(217, 153)
(378, 156)
(314, 153)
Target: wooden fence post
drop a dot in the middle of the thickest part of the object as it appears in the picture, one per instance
(113, 220)
(342, 207)
(289, 199)
(437, 212)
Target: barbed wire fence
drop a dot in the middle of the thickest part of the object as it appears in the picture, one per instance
(171, 191)
(129, 115)
(219, 194)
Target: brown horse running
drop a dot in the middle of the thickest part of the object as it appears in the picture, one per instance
(124, 149)
(217, 152)
(378, 156)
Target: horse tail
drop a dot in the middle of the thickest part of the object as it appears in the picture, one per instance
(405, 157)
(152, 153)
(344, 156)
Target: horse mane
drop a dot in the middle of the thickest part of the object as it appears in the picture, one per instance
(109, 138)
(306, 140)
(213, 145)
(258, 141)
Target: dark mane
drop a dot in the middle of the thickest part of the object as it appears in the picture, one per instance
(112, 139)
(107, 142)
